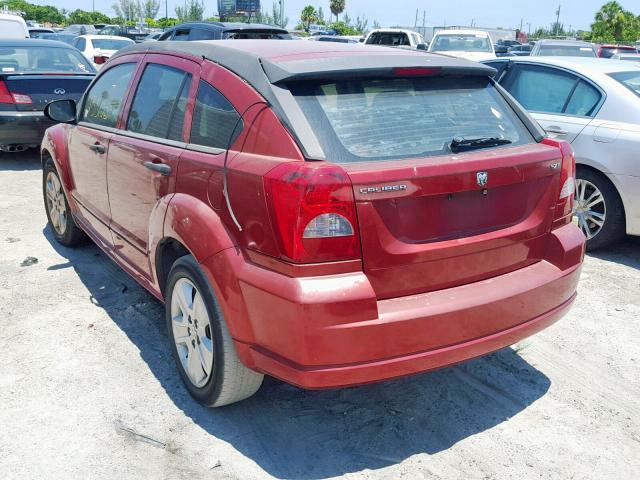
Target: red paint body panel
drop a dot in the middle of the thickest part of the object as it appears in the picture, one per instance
(447, 273)
(323, 332)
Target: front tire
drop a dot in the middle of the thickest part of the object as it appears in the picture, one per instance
(598, 209)
(59, 216)
(201, 343)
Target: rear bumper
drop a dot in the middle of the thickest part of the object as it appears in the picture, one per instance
(23, 128)
(325, 332)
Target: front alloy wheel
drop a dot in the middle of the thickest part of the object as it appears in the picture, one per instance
(56, 206)
(590, 208)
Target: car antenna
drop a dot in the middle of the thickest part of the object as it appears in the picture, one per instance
(225, 187)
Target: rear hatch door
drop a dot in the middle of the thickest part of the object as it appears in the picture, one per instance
(437, 223)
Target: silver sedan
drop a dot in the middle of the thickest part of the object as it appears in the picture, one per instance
(594, 104)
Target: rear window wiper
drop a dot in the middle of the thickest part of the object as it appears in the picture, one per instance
(461, 144)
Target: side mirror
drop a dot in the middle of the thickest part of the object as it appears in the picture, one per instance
(61, 111)
(421, 46)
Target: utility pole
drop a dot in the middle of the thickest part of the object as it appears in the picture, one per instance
(521, 22)
(558, 20)
(166, 10)
(415, 24)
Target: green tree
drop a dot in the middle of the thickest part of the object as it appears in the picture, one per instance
(83, 17)
(150, 8)
(127, 9)
(193, 10)
(337, 7)
(615, 24)
(308, 16)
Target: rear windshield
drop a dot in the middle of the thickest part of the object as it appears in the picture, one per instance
(566, 51)
(461, 43)
(608, 52)
(42, 60)
(631, 80)
(256, 35)
(108, 44)
(365, 120)
(394, 39)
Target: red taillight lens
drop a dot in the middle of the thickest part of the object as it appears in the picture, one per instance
(564, 207)
(7, 97)
(100, 59)
(313, 211)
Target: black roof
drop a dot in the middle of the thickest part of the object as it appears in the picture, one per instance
(266, 64)
(31, 42)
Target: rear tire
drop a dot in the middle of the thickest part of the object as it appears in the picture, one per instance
(201, 343)
(605, 204)
(59, 216)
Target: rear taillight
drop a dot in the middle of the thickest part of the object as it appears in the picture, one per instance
(313, 212)
(14, 98)
(100, 59)
(564, 207)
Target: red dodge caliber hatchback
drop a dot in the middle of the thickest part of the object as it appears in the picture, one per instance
(327, 214)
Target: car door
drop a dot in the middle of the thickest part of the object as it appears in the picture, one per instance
(144, 153)
(89, 145)
(562, 102)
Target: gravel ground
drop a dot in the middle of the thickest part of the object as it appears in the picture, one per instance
(88, 388)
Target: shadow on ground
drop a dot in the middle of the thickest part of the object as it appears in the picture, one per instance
(626, 252)
(292, 433)
(19, 162)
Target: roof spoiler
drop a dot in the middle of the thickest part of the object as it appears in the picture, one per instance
(371, 66)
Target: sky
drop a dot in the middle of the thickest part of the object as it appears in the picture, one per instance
(484, 13)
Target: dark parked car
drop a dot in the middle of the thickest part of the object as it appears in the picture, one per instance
(328, 214)
(34, 72)
(501, 50)
(67, 38)
(135, 34)
(36, 32)
(520, 50)
(223, 30)
(508, 43)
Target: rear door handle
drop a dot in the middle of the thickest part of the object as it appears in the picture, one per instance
(556, 131)
(161, 168)
(98, 148)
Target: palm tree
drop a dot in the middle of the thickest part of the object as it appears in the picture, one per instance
(337, 7)
(308, 16)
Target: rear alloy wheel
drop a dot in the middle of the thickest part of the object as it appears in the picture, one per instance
(598, 210)
(201, 343)
(59, 215)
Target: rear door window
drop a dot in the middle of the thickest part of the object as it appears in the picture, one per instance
(103, 101)
(181, 35)
(364, 120)
(215, 123)
(551, 90)
(158, 108)
(201, 34)
(394, 39)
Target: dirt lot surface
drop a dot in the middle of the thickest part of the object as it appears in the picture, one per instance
(88, 389)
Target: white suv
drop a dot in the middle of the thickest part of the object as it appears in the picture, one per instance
(395, 37)
(469, 44)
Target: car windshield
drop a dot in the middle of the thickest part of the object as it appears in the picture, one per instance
(461, 43)
(566, 51)
(58, 37)
(393, 39)
(608, 52)
(364, 120)
(631, 80)
(110, 44)
(42, 60)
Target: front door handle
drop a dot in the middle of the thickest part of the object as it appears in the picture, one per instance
(161, 168)
(556, 131)
(98, 148)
